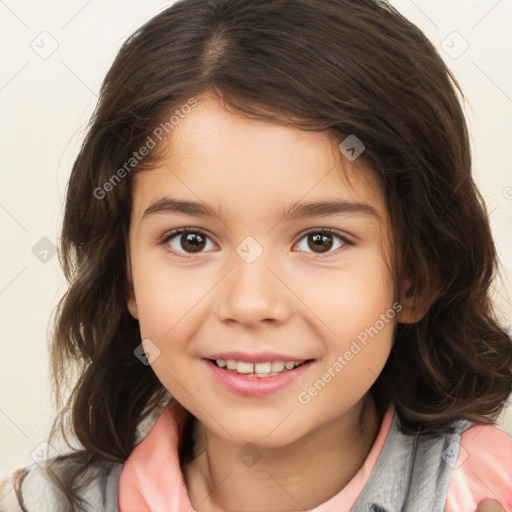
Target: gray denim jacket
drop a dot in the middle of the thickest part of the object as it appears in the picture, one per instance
(412, 474)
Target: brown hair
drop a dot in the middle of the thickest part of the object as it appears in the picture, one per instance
(336, 65)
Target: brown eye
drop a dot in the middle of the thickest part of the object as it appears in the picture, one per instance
(192, 242)
(186, 241)
(322, 241)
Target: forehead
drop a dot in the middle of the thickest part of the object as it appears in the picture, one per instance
(222, 158)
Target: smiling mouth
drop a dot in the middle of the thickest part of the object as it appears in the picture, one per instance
(266, 369)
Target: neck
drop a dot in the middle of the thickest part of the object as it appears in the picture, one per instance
(301, 475)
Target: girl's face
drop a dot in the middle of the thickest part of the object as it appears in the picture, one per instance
(261, 275)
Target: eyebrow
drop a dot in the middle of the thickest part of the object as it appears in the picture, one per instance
(295, 211)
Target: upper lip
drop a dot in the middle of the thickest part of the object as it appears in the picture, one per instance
(261, 357)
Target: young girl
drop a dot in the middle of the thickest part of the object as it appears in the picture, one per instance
(279, 274)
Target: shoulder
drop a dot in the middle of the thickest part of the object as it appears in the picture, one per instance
(10, 491)
(31, 489)
(483, 469)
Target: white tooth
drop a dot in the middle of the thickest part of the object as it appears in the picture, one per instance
(289, 365)
(244, 367)
(231, 364)
(263, 367)
(221, 363)
(277, 366)
(263, 374)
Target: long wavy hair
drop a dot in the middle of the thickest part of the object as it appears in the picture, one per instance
(339, 66)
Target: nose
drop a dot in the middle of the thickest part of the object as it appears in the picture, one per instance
(252, 293)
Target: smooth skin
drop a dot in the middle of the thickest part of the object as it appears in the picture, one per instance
(291, 299)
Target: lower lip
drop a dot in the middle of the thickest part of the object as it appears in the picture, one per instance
(250, 385)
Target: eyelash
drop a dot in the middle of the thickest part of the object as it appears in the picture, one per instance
(180, 231)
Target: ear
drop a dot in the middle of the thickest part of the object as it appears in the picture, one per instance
(131, 302)
(415, 305)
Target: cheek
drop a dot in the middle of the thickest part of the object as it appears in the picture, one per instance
(165, 298)
(167, 317)
(358, 320)
(351, 298)
(367, 310)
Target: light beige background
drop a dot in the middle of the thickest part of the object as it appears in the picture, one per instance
(46, 101)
